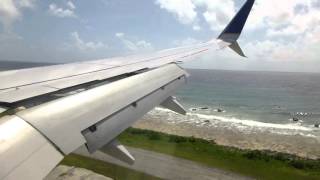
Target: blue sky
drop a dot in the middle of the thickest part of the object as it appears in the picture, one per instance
(281, 35)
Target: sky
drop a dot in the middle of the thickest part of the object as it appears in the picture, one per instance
(280, 35)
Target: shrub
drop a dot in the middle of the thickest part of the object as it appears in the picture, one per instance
(297, 164)
(192, 139)
(177, 139)
(257, 155)
(154, 136)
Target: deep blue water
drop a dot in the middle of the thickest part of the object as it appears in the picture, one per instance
(270, 97)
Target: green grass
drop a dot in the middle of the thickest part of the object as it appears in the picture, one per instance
(104, 168)
(258, 164)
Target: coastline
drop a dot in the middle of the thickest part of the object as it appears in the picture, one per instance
(152, 147)
(267, 164)
(302, 146)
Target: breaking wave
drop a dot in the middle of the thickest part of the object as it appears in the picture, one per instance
(244, 125)
(251, 122)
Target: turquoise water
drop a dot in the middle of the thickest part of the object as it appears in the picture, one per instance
(252, 102)
(269, 97)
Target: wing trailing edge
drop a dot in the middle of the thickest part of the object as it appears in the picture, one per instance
(233, 30)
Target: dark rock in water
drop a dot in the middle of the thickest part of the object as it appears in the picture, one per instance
(295, 119)
(219, 110)
(193, 109)
(317, 125)
(204, 108)
(277, 107)
(207, 121)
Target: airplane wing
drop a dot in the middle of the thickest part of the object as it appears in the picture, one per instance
(48, 112)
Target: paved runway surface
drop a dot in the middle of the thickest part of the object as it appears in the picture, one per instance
(63, 172)
(166, 167)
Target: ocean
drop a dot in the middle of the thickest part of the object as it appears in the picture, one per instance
(250, 101)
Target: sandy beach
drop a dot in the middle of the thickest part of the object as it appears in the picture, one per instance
(300, 145)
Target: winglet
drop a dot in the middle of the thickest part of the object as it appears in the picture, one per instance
(232, 32)
(235, 46)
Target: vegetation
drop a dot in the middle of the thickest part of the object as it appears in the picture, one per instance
(104, 168)
(254, 163)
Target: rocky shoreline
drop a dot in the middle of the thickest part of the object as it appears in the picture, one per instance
(306, 147)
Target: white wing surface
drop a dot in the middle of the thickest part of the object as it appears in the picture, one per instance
(17, 85)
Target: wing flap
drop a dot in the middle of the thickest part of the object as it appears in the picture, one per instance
(63, 120)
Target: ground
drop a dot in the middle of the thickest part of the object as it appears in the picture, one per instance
(165, 166)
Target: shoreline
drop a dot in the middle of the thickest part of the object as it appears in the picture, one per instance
(167, 148)
(267, 164)
(302, 146)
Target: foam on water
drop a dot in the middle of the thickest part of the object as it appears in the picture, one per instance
(251, 122)
(231, 122)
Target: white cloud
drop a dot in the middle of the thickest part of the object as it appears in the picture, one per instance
(82, 45)
(186, 42)
(282, 17)
(11, 11)
(304, 48)
(25, 3)
(288, 28)
(140, 45)
(278, 16)
(119, 35)
(282, 20)
(184, 10)
(71, 5)
(283, 32)
(196, 27)
(217, 12)
(63, 12)
(271, 13)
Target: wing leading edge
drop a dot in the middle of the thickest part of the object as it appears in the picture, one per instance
(60, 108)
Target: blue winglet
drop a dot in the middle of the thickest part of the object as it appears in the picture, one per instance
(236, 25)
(232, 32)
